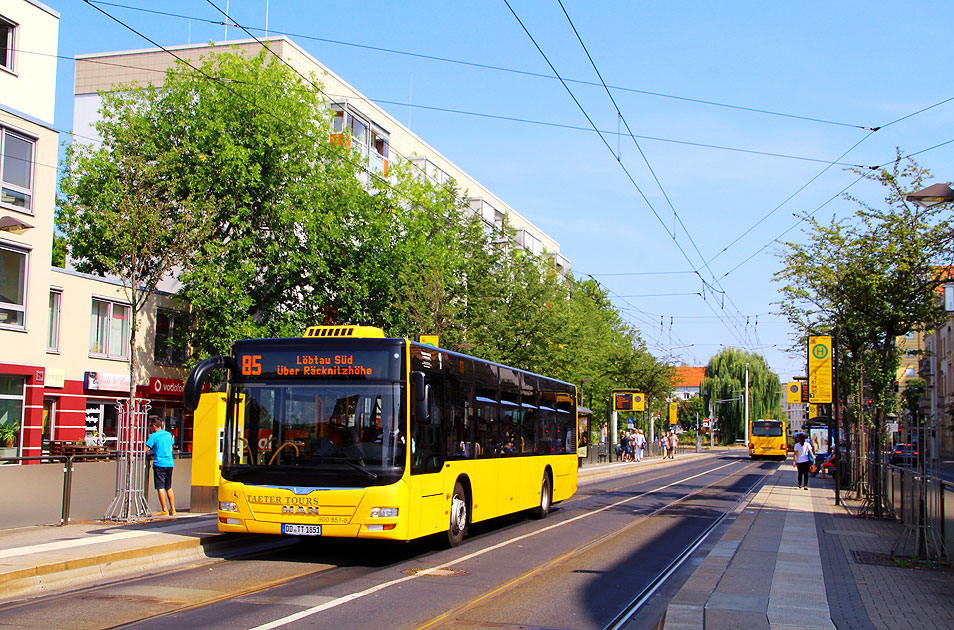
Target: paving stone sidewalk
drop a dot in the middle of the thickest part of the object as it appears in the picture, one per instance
(794, 559)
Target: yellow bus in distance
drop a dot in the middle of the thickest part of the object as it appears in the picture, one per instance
(346, 433)
(767, 439)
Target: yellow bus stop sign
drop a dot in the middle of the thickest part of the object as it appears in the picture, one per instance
(819, 369)
(431, 340)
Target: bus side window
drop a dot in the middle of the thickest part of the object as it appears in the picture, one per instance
(427, 445)
(484, 422)
(459, 429)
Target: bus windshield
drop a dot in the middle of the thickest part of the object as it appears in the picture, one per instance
(767, 428)
(326, 434)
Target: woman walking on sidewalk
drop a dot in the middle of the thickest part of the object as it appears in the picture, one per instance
(803, 458)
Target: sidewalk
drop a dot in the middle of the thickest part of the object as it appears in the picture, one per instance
(766, 571)
(42, 559)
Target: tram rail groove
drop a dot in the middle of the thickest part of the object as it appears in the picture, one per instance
(637, 603)
(440, 620)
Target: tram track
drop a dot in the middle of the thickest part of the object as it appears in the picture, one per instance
(345, 571)
(633, 608)
(635, 604)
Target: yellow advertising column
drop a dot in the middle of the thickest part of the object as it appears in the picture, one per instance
(208, 435)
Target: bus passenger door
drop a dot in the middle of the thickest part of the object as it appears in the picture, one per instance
(428, 502)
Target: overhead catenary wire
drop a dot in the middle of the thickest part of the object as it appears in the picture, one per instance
(619, 162)
(646, 161)
(506, 118)
(485, 66)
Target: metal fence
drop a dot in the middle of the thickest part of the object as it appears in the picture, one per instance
(924, 504)
(61, 488)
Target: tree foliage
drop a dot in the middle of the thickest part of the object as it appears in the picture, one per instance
(123, 217)
(869, 279)
(723, 391)
(301, 232)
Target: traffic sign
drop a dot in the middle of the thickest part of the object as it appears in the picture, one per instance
(794, 392)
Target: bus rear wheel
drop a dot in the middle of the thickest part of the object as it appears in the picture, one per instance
(458, 516)
(546, 498)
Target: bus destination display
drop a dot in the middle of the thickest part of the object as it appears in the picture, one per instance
(315, 364)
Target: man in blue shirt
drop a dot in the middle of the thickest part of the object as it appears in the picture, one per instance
(160, 442)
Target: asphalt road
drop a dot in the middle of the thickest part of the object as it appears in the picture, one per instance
(576, 569)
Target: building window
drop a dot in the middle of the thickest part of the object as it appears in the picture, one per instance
(170, 337)
(109, 330)
(909, 372)
(11, 412)
(16, 170)
(353, 131)
(13, 281)
(49, 419)
(7, 33)
(101, 423)
(53, 335)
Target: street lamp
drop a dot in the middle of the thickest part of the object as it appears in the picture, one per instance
(932, 195)
(925, 527)
(746, 405)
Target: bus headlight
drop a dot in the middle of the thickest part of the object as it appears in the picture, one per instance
(227, 506)
(387, 512)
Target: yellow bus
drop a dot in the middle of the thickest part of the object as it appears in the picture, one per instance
(344, 432)
(767, 439)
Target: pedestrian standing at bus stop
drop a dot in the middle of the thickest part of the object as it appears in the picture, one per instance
(803, 458)
(640, 445)
(160, 442)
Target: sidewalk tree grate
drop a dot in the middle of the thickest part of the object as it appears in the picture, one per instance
(900, 562)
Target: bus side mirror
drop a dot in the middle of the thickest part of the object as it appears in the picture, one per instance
(422, 395)
(196, 380)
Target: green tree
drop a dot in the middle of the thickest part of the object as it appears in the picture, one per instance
(869, 279)
(690, 410)
(725, 381)
(121, 216)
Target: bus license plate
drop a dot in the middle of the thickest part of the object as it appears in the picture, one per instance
(301, 530)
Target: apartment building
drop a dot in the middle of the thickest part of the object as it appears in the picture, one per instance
(64, 335)
(358, 123)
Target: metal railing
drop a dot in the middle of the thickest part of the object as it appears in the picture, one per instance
(39, 468)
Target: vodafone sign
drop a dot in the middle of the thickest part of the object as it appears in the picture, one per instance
(166, 386)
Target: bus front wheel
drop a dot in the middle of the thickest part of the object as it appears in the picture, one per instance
(546, 498)
(458, 516)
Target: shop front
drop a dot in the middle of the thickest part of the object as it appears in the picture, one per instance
(166, 398)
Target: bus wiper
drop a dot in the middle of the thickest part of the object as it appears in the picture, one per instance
(353, 464)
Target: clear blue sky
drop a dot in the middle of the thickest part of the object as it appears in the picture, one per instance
(850, 64)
